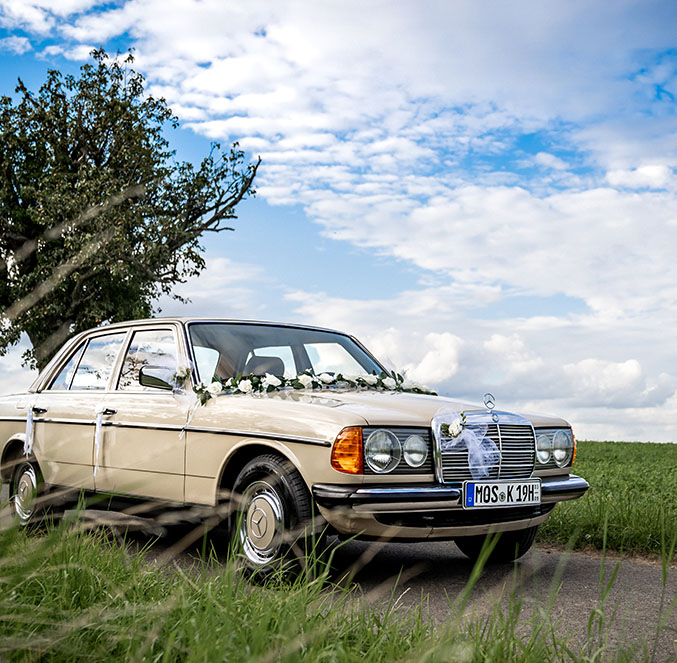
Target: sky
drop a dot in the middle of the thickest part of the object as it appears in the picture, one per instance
(483, 192)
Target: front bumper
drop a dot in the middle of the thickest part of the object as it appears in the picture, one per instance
(432, 510)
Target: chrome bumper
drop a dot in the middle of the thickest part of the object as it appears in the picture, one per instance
(428, 497)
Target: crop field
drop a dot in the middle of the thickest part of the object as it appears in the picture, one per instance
(632, 499)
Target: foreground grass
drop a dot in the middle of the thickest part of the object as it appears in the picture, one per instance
(72, 596)
(632, 499)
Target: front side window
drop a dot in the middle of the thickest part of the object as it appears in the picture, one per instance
(154, 348)
(97, 362)
(283, 351)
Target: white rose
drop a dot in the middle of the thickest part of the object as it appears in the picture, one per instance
(200, 386)
(389, 383)
(456, 427)
(245, 386)
(215, 388)
(270, 380)
(370, 379)
(326, 378)
(305, 380)
(182, 372)
(350, 378)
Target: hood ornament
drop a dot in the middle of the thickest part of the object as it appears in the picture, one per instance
(490, 404)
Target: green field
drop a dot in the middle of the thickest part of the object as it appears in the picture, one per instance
(632, 499)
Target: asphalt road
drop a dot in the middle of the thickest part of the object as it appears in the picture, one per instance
(438, 573)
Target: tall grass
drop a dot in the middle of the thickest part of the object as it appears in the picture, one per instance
(72, 595)
(632, 502)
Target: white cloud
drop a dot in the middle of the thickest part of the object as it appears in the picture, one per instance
(550, 161)
(14, 377)
(40, 16)
(225, 289)
(650, 176)
(17, 45)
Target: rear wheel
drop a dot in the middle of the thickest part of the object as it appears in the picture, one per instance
(24, 491)
(509, 547)
(274, 516)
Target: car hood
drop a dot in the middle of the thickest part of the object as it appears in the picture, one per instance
(322, 414)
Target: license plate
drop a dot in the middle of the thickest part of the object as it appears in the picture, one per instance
(483, 494)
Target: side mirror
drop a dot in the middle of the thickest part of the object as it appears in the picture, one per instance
(156, 377)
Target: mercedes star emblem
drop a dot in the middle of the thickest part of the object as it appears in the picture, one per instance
(258, 523)
(489, 401)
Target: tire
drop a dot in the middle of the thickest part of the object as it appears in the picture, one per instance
(25, 489)
(509, 547)
(273, 524)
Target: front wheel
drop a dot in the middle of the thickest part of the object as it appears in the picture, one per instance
(274, 516)
(24, 490)
(509, 547)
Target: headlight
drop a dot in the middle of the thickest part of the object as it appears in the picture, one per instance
(382, 451)
(415, 451)
(562, 448)
(543, 449)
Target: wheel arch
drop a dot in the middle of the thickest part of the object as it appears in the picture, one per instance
(11, 454)
(245, 451)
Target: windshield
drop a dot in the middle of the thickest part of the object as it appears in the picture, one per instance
(224, 350)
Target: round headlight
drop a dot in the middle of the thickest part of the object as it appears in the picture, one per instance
(543, 449)
(415, 451)
(562, 448)
(382, 451)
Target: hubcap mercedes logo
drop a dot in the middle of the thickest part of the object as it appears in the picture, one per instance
(489, 401)
(258, 524)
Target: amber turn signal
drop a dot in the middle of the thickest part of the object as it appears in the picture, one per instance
(573, 455)
(346, 454)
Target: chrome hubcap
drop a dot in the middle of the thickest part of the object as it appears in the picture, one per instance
(262, 523)
(24, 495)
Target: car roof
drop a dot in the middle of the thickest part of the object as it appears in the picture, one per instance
(185, 320)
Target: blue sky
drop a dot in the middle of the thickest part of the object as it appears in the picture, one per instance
(484, 193)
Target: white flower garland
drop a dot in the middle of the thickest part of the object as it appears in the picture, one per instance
(265, 384)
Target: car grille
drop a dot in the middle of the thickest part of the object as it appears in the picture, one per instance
(516, 444)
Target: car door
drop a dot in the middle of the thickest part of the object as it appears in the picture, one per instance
(65, 411)
(143, 450)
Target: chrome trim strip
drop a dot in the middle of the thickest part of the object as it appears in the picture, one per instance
(259, 436)
(419, 494)
(173, 427)
(70, 422)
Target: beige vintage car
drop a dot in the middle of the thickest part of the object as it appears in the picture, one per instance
(290, 425)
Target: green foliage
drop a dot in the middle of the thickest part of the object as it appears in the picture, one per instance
(633, 489)
(97, 217)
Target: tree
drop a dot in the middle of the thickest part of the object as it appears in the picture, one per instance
(97, 217)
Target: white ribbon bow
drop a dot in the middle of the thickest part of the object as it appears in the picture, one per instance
(483, 454)
(98, 432)
(28, 438)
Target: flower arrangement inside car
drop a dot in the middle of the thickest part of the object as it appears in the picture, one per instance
(154, 412)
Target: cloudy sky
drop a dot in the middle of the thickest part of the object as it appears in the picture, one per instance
(483, 192)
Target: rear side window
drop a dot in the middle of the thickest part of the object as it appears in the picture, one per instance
(97, 362)
(63, 380)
